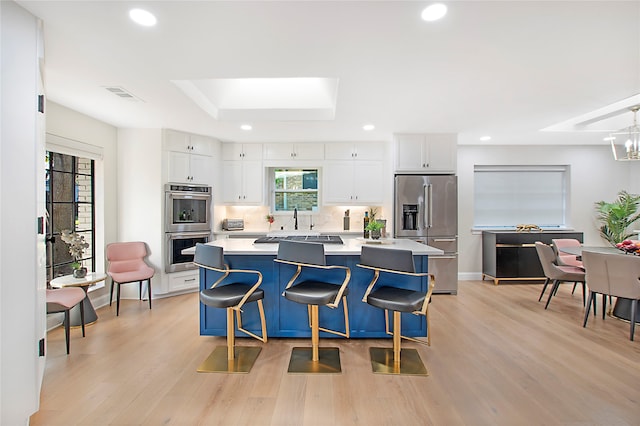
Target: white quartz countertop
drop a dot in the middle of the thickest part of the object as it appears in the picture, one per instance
(351, 246)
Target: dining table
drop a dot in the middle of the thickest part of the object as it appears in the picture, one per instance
(622, 307)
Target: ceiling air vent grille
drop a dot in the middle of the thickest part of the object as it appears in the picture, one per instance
(122, 93)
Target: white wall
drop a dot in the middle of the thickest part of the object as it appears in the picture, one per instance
(22, 314)
(595, 176)
(69, 124)
(141, 194)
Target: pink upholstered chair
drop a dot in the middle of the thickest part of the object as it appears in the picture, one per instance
(566, 258)
(127, 265)
(62, 300)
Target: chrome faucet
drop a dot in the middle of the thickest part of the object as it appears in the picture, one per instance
(295, 218)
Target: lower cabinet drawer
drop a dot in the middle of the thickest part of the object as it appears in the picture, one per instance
(184, 280)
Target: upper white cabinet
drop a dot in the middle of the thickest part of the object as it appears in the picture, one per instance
(189, 157)
(353, 173)
(242, 174)
(294, 151)
(426, 153)
(242, 151)
(365, 151)
(353, 183)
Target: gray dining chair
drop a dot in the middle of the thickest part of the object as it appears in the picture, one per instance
(557, 274)
(597, 280)
(623, 274)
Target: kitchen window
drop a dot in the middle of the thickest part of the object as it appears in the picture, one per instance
(294, 188)
(70, 204)
(506, 196)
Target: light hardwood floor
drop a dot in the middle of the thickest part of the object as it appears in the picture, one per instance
(497, 358)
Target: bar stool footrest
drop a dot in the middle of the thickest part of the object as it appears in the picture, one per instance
(382, 362)
(301, 361)
(218, 362)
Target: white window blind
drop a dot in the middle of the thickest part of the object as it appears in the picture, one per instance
(505, 196)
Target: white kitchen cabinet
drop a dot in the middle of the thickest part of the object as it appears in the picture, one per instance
(189, 168)
(189, 157)
(426, 153)
(176, 141)
(353, 182)
(362, 151)
(242, 151)
(242, 182)
(242, 173)
(294, 151)
(186, 280)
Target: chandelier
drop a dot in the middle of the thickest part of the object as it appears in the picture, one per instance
(625, 143)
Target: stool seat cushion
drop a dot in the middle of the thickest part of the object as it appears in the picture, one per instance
(143, 272)
(66, 297)
(314, 293)
(396, 299)
(228, 295)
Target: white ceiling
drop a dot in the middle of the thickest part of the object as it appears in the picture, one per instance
(504, 68)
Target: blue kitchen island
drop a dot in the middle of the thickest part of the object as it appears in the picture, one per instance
(287, 319)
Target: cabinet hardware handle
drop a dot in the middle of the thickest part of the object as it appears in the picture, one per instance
(190, 279)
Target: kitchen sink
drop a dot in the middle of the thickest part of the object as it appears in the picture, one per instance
(325, 239)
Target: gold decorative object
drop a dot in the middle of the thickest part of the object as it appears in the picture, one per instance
(528, 228)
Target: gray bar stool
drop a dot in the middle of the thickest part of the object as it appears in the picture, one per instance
(397, 262)
(311, 292)
(231, 296)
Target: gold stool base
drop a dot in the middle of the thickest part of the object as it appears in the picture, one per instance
(410, 362)
(329, 361)
(217, 362)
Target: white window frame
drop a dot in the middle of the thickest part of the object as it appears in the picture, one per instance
(272, 184)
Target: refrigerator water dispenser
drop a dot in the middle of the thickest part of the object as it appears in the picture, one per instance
(409, 216)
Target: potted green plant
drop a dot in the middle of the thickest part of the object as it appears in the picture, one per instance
(616, 217)
(374, 228)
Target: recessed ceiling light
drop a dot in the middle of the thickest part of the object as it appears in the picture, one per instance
(246, 127)
(368, 127)
(434, 12)
(485, 138)
(142, 17)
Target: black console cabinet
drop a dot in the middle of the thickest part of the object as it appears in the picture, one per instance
(511, 255)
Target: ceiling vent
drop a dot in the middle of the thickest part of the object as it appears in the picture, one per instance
(122, 93)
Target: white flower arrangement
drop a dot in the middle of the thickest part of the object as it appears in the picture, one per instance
(77, 245)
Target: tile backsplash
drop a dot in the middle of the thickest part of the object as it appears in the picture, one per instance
(327, 218)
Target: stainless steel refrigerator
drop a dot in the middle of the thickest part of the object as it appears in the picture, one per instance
(426, 210)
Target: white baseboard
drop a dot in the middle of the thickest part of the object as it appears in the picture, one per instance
(469, 276)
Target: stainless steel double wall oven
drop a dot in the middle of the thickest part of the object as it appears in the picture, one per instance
(187, 222)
